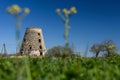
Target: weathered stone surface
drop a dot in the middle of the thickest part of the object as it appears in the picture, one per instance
(35, 53)
(33, 42)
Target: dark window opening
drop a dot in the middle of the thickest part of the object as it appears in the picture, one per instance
(39, 34)
(24, 40)
(40, 47)
(21, 52)
(39, 40)
(21, 49)
(41, 53)
(30, 47)
(26, 33)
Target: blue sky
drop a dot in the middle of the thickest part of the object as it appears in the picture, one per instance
(96, 21)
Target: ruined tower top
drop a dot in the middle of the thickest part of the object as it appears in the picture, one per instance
(34, 29)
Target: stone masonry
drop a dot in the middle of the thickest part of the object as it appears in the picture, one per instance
(33, 43)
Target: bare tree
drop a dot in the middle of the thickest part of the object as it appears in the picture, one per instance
(96, 48)
(109, 47)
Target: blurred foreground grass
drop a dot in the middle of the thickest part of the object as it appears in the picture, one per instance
(70, 68)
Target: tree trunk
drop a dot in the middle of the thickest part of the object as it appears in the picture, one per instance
(108, 53)
(97, 54)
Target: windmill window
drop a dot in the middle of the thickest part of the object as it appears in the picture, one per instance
(24, 40)
(21, 49)
(39, 34)
(40, 47)
(22, 46)
(21, 52)
(41, 53)
(30, 47)
(39, 40)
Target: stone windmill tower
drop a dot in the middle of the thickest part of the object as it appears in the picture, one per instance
(33, 42)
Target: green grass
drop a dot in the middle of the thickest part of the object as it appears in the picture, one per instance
(60, 69)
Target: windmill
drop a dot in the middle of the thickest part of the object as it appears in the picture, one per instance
(33, 42)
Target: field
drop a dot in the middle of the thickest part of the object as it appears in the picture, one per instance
(70, 68)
